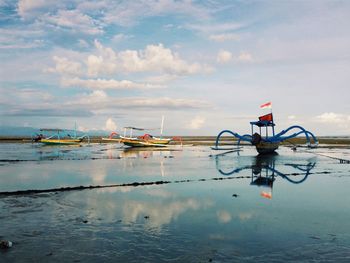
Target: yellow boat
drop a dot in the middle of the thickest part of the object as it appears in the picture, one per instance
(146, 140)
(60, 137)
(61, 141)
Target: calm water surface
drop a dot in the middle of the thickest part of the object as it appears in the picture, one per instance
(236, 207)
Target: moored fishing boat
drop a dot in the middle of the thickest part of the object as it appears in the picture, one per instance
(61, 141)
(146, 140)
(266, 144)
(58, 137)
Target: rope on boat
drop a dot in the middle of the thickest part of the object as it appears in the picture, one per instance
(332, 157)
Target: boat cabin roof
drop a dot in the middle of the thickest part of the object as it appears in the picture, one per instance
(134, 128)
(139, 129)
(51, 129)
(262, 123)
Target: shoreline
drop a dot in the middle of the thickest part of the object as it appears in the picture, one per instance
(205, 140)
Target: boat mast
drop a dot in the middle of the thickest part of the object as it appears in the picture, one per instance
(161, 127)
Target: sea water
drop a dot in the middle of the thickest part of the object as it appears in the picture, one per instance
(189, 204)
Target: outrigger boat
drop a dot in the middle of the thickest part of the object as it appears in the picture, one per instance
(59, 137)
(146, 140)
(269, 143)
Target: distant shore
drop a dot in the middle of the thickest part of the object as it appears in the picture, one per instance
(205, 140)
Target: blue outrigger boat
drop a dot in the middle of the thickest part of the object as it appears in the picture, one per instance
(266, 144)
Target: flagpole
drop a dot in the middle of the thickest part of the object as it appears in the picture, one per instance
(273, 126)
(161, 127)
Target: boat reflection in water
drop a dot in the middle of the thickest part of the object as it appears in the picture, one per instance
(155, 156)
(266, 168)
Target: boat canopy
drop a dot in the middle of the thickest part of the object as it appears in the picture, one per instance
(51, 129)
(134, 128)
(264, 121)
(140, 129)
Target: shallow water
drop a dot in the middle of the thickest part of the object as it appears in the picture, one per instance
(205, 207)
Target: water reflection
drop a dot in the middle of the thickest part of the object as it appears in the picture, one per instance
(265, 169)
(132, 157)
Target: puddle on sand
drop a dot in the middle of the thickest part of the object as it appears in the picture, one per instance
(226, 208)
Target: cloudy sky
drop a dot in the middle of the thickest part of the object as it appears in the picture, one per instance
(204, 65)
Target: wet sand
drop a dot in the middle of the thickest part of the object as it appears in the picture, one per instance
(102, 203)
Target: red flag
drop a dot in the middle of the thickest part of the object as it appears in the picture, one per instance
(267, 117)
(267, 105)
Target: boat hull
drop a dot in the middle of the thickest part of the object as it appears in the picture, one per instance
(60, 141)
(111, 139)
(135, 142)
(266, 147)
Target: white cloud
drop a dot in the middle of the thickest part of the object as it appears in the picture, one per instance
(157, 58)
(245, 57)
(127, 13)
(83, 129)
(65, 66)
(107, 52)
(120, 37)
(25, 96)
(161, 79)
(21, 45)
(73, 19)
(107, 62)
(83, 43)
(99, 100)
(224, 56)
(152, 58)
(28, 94)
(213, 28)
(97, 96)
(24, 38)
(90, 6)
(224, 37)
(110, 125)
(340, 122)
(105, 84)
(331, 117)
(166, 103)
(27, 8)
(168, 26)
(97, 65)
(197, 123)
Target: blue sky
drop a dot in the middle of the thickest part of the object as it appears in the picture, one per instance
(204, 65)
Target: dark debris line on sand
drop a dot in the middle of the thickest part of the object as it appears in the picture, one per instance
(134, 184)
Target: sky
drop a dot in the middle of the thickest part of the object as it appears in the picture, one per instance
(203, 65)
